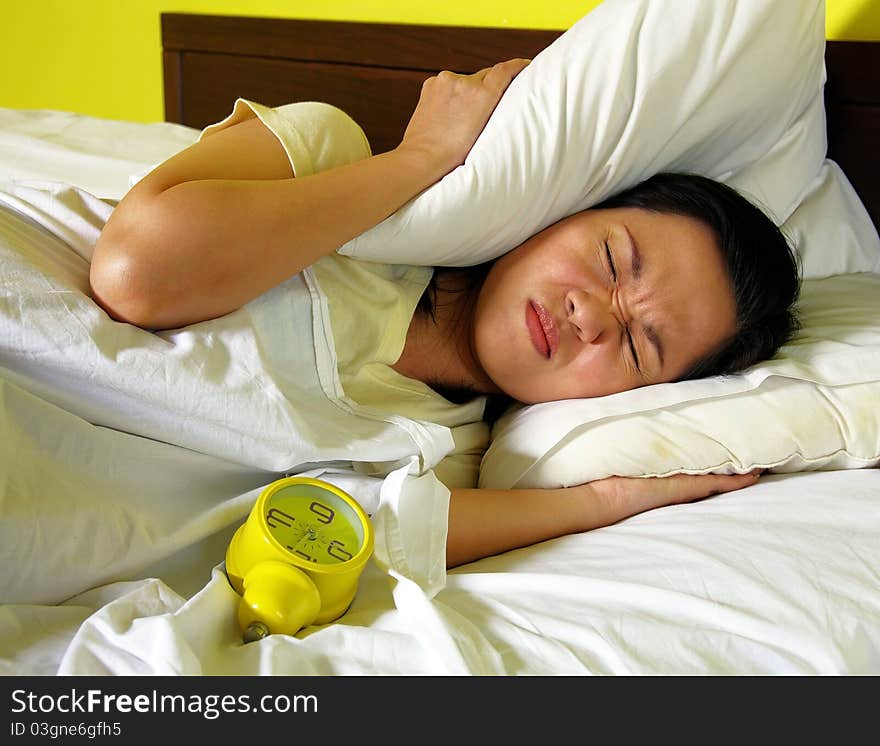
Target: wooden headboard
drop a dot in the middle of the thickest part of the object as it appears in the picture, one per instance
(375, 71)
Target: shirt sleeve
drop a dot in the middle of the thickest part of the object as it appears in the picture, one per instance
(316, 136)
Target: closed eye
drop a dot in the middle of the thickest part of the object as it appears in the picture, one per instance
(632, 349)
(610, 262)
(629, 339)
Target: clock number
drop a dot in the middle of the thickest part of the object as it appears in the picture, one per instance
(304, 555)
(282, 518)
(324, 512)
(337, 551)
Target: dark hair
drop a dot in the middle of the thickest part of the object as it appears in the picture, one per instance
(761, 266)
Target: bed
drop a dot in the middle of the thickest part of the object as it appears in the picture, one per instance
(120, 496)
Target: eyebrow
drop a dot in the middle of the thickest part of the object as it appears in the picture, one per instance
(635, 256)
(636, 269)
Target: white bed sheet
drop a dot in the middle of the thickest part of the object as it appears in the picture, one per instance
(778, 578)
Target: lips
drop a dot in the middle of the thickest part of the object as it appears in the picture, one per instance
(542, 329)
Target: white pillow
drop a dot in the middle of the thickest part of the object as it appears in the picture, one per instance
(731, 89)
(832, 229)
(814, 406)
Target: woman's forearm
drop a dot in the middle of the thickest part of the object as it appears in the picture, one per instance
(483, 522)
(201, 248)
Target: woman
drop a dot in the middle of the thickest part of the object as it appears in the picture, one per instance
(652, 286)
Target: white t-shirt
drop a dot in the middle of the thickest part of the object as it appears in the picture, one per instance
(370, 304)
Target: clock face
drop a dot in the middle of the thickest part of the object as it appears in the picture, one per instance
(314, 524)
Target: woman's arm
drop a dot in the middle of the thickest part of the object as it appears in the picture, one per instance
(483, 522)
(224, 220)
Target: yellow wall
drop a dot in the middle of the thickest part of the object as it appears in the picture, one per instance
(103, 57)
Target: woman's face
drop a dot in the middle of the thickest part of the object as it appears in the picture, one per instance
(602, 302)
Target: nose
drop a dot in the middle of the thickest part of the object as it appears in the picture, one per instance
(590, 316)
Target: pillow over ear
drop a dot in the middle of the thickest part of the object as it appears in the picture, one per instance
(731, 89)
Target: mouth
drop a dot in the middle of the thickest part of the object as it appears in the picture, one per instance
(542, 329)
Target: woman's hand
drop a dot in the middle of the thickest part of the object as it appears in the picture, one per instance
(623, 497)
(453, 110)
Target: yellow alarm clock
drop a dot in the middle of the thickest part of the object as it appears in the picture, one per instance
(298, 558)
